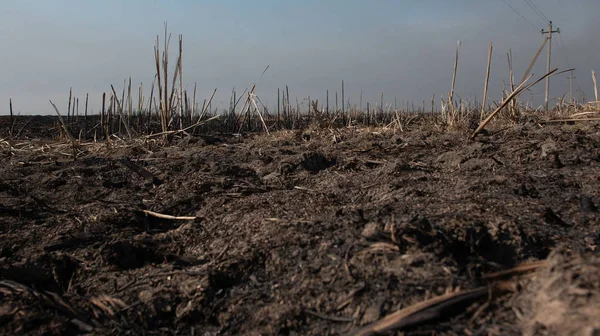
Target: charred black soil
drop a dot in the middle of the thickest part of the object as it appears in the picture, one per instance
(316, 232)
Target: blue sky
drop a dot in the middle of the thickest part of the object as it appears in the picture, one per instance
(404, 49)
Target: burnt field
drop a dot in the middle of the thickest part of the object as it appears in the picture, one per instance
(315, 232)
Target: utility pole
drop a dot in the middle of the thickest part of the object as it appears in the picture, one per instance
(571, 77)
(549, 32)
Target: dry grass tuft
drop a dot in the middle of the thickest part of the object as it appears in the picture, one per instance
(562, 298)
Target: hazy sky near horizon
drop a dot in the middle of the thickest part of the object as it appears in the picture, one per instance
(403, 49)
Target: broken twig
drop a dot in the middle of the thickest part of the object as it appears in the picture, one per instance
(163, 216)
(431, 309)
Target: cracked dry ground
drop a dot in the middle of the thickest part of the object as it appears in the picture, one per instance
(297, 233)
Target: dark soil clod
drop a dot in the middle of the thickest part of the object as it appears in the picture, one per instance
(586, 204)
(552, 218)
(315, 162)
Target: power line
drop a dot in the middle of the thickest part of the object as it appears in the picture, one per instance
(519, 14)
(562, 52)
(539, 10)
(561, 45)
(536, 10)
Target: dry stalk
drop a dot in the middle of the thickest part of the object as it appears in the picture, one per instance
(595, 86)
(512, 84)
(184, 131)
(251, 97)
(582, 114)
(175, 74)
(22, 128)
(434, 308)
(165, 63)
(87, 96)
(568, 120)
(194, 102)
(122, 105)
(521, 269)
(120, 110)
(487, 80)
(180, 66)
(451, 94)
(141, 98)
(69, 107)
(62, 122)
(532, 63)
(165, 99)
(537, 54)
(150, 100)
(245, 109)
(12, 125)
(431, 309)
(518, 90)
(206, 105)
(163, 123)
(129, 102)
